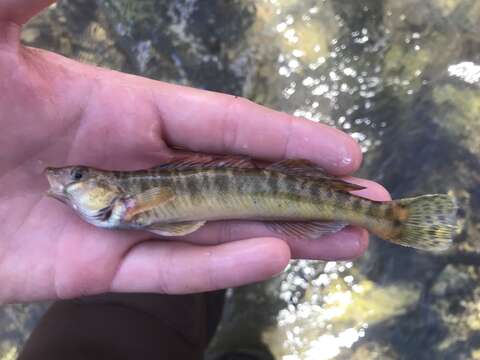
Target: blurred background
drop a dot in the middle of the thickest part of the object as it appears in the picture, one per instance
(402, 77)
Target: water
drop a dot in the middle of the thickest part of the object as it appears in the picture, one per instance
(402, 78)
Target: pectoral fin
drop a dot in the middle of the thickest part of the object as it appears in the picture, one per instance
(306, 230)
(176, 229)
(148, 200)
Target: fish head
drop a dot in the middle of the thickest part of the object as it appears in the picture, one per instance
(88, 191)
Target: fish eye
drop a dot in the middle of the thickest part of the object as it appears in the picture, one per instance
(77, 173)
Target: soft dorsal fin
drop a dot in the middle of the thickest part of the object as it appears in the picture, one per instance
(207, 162)
(299, 167)
(342, 185)
(302, 167)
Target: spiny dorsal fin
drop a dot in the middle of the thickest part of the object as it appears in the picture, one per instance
(207, 162)
(176, 229)
(302, 167)
(306, 230)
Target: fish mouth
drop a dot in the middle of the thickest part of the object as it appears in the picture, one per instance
(57, 187)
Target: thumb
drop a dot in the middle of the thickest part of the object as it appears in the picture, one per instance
(20, 11)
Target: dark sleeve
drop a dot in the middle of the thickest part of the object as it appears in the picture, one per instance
(126, 326)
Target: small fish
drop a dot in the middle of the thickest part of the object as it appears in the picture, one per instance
(294, 198)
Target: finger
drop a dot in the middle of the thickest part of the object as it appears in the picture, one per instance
(346, 244)
(349, 243)
(217, 123)
(372, 191)
(180, 268)
(20, 11)
(204, 121)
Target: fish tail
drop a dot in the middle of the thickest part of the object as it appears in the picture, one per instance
(425, 222)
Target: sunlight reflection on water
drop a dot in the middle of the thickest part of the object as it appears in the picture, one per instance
(318, 69)
(467, 71)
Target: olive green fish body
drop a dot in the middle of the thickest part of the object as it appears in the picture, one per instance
(216, 194)
(178, 198)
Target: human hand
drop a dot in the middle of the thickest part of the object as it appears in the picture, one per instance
(55, 111)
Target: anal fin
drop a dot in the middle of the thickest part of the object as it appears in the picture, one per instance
(176, 229)
(306, 230)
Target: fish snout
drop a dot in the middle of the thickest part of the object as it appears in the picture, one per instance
(49, 170)
(56, 181)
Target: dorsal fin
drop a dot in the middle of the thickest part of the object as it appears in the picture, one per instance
(302, 167)
(299, 167)
(296, 167)
(207, 162)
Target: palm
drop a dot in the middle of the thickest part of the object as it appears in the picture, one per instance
(57, 112)
(44, 243)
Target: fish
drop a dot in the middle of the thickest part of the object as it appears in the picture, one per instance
(294, 198)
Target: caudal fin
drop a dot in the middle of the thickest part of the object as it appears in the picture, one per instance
(426, 222)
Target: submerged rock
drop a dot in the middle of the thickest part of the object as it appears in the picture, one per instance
(201, 43)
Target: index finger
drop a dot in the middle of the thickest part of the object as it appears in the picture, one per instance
(217, 123)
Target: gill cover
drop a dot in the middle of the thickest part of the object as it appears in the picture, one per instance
(93, 199)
